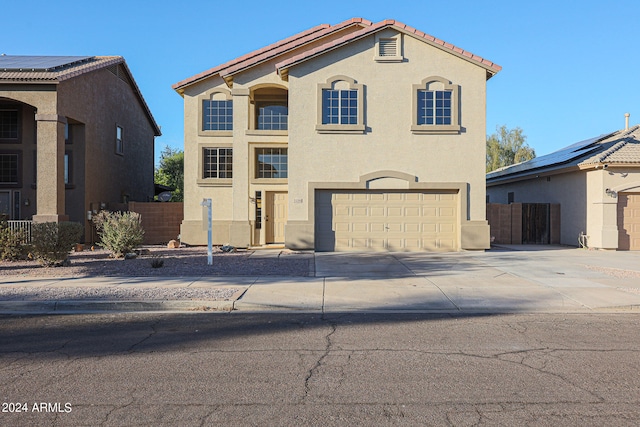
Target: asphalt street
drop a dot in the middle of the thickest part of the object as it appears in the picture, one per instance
(572, 369)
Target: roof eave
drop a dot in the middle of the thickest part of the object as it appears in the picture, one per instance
(530, 174)
(491, 68)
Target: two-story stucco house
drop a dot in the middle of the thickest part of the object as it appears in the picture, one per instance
(75, 136)
(358, 136)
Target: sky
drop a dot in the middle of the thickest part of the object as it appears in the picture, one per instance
(570, 69)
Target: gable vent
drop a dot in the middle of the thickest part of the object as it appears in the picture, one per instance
(388, 47)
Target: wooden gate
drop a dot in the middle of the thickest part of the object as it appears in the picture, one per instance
(518, 223)
(535, 223)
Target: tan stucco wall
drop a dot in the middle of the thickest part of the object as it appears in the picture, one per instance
(586, 206)
(567, 189)
(387, 144)
(602, 203)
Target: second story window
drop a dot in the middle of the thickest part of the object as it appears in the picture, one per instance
(217, 114)
(273, 116)
(340, 106)
(434, 107)
(9, 125)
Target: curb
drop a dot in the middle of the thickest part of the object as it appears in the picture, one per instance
(94, 306)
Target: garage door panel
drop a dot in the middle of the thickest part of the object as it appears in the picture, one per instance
(377, 244)
(429, 212)
(412, 228)
(387, 220)
(361, 227)
(412, 211)
(342, 227)
(446, 228)
(450, 212)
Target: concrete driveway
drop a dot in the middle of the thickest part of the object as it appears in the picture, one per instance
(514, 278)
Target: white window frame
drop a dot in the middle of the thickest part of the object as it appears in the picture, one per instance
(359, 127)
(452, 128)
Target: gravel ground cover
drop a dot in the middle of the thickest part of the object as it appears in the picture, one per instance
(181, 262)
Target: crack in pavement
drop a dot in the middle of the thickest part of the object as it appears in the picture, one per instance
(154, 331)
(316, 367)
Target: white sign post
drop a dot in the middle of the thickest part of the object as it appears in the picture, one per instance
(207, 203)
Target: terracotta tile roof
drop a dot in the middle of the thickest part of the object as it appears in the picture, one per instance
(621, 148)
(491, 67)
(273, 50)
(74, 69)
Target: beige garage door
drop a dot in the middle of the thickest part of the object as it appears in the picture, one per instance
(386, 221)
(629, 221)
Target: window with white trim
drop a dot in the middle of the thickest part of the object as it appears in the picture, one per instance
(217, 114)
(217, 163)
(436, 106)
(272, 163)
(340, 106)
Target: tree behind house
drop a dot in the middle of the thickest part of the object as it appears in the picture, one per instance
(507, 147)
(170, 172)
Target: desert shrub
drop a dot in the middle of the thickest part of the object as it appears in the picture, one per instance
(119, 232)
(52, 241)
(157, 262)
(12, 243)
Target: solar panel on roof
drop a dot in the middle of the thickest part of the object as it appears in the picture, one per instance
(37, 63)
(562, 156)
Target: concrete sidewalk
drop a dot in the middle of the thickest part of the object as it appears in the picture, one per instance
(503, 280)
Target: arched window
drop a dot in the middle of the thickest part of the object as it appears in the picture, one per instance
(436, 106)
(216, 112)
(340, 106)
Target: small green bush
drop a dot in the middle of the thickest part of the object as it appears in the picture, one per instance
(12, 243)
(119, 232)
(52, 241)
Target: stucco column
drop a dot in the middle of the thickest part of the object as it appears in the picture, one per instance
(50, 180)
(240, 228)
(603, 234)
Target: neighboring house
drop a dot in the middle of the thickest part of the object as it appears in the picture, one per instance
(596, 182)
(356, 136)
(75, 136)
